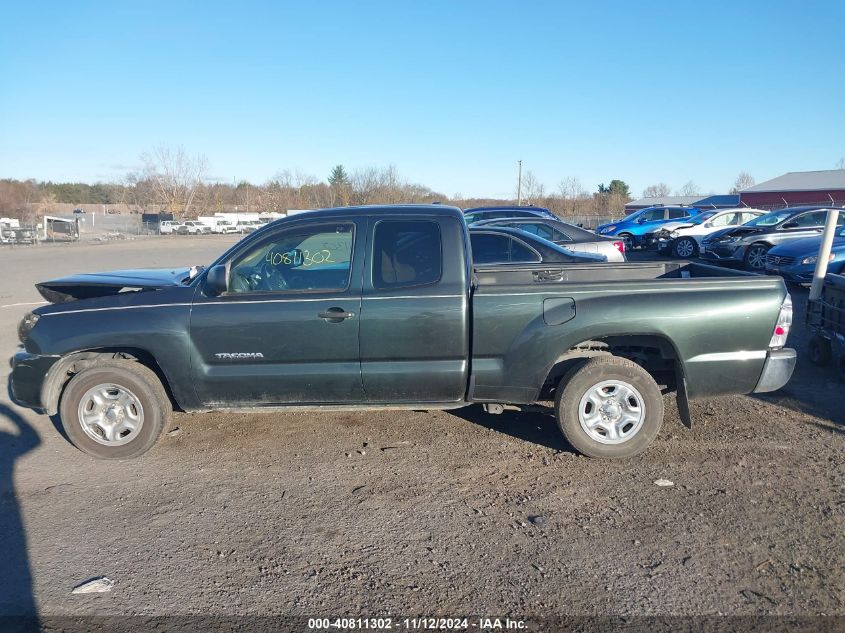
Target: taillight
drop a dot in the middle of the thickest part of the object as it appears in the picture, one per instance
(783, 324)
(620, 246)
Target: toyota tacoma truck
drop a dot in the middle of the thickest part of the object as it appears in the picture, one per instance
(382, 307)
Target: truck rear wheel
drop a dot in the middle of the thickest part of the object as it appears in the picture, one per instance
(116, 409)
(609, 407)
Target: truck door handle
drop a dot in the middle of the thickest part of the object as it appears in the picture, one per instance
(336, 315)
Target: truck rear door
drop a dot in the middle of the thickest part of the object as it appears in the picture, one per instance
(414, 329)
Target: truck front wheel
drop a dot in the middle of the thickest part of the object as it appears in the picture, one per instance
(609, 407)
(116, 409)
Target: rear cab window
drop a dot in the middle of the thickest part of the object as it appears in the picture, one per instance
(406, 253)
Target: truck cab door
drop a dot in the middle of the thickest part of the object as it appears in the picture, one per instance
(415, 311)
(286, 329)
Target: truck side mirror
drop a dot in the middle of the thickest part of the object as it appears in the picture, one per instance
(790, 225)
(215, 281)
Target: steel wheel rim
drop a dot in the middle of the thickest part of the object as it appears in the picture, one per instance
(110, 414)
(612, 412)
(757, 257)
(684, 248)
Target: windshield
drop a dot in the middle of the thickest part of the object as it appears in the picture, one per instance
(631, 216)
(701, 218)
(770, 219)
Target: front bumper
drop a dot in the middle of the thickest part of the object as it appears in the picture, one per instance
(664, 245)
(723, 253)
(777, 370)
(793, 274)
(650, 240)
(29, 372)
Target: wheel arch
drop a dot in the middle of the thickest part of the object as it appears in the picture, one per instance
(656, 353)
(70, 364)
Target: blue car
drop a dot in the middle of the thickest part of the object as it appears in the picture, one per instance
(634, 227)
(796, 261)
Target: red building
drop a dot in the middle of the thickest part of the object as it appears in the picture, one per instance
(797, 188)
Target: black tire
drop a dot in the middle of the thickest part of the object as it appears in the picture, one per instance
(754, 254)
(685, 243)
(576, 384)
(628, 240)
(143, 384)
(819, 351)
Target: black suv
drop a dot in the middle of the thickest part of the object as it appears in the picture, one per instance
(749, 243)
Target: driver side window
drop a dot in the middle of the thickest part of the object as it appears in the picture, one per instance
(301, 259)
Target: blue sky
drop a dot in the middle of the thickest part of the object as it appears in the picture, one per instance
(452, 93)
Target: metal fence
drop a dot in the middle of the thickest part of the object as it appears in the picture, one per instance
(92, 225)
(589, 221)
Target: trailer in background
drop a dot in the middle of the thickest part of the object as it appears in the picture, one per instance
(826, 320)
(826, 305)
(60, 229)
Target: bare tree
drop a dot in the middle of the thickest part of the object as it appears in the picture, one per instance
(571, 191)
(174, 177)
(689, 189)
(841, 163)
(532, 189)
(660, 190)
(743, 181)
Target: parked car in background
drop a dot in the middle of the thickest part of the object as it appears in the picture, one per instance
(194, 227)
(574, 238)
(225, 226)
(796, 261)
(169, 227)
(633, 228)
(79, 210)
(504, 245)
(477, 214)
(683, 239)
(247, 226)
(748, 244)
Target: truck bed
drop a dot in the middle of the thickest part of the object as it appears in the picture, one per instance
(716, 322)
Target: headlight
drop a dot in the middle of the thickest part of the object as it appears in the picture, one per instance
(608, 229)
(26, 325)
(813, 259)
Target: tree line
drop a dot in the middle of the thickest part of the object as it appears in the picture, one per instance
(174, 181)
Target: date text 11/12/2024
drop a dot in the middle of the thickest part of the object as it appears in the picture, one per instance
(420, 623)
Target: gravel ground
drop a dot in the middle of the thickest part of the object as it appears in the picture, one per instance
(415, 513)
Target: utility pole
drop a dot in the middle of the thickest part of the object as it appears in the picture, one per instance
(519, 185)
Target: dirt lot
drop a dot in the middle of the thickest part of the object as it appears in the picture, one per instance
(413, 513)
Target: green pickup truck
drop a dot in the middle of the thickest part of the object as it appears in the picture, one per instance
(381, 307)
